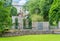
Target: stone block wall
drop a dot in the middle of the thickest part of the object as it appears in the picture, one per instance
(40, 26)
(46, 26)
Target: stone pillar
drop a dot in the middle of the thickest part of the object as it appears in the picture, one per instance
(20, 21)
(45, 26)
(59, 25)
(13, 22)
(34, 26)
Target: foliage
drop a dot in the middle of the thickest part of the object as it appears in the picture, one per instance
(54, 13)
(5, 17)
(14, 11)
(30, 22)
(16, 23)
(48, 9)
(36, 17)
(27, 23)
(43, 7)
(24, 25)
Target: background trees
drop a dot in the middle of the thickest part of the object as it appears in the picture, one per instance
(54, 11)
(6, 13)
(14, 11)
(47, 10)
(39, 7)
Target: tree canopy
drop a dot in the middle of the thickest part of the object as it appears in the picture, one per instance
(48, 9)
(14, 11)
(5, 17)
(42, 7)
(54, 12)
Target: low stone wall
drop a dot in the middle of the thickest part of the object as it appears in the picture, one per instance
(40, 26)
(25, 32)
(37, 28)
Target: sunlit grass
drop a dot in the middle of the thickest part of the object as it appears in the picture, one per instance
(47, 37)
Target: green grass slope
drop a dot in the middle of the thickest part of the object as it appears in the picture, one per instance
(47, 37)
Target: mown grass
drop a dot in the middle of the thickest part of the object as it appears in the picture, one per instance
(44, 37)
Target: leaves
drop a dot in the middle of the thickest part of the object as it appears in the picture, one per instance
(43, 7)
(54, 12)
(5, 18)
(48, 9)
(14, 11)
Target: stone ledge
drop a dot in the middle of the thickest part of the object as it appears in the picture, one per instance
(25, 33)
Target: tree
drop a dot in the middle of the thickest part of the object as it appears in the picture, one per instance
(34, 9)
(27, 22)
(45, 9)
(54, 13)
(42, 6)
(14, 11)
(48, 9)
(16, 23)
(5, 17)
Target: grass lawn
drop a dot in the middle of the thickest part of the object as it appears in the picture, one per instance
(47, 37)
